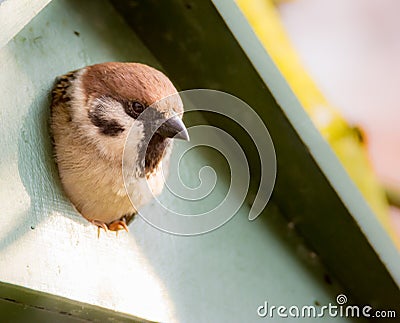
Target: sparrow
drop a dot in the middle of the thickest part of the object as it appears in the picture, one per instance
(93, 110)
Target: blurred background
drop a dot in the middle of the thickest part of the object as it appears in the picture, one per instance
(351, 49)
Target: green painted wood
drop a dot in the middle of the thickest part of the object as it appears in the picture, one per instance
(223, 276)
(19, 304)
(15, 14)
(312, 191)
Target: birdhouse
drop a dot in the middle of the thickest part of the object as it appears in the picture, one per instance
(313, 241)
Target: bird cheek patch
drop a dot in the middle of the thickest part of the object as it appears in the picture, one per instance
(107, 125)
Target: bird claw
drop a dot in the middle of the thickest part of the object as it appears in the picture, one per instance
(100, 225)
(118, 225)
(113, 226)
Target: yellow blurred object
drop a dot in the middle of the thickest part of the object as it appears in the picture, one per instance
(344, 139)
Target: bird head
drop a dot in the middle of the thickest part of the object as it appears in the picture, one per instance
(127, 98)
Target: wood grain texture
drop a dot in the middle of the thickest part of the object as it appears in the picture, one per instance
(15, 14)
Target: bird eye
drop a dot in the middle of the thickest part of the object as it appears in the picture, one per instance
(134, 108)
(138, 107)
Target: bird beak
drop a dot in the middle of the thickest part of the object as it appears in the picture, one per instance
(173, 128)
